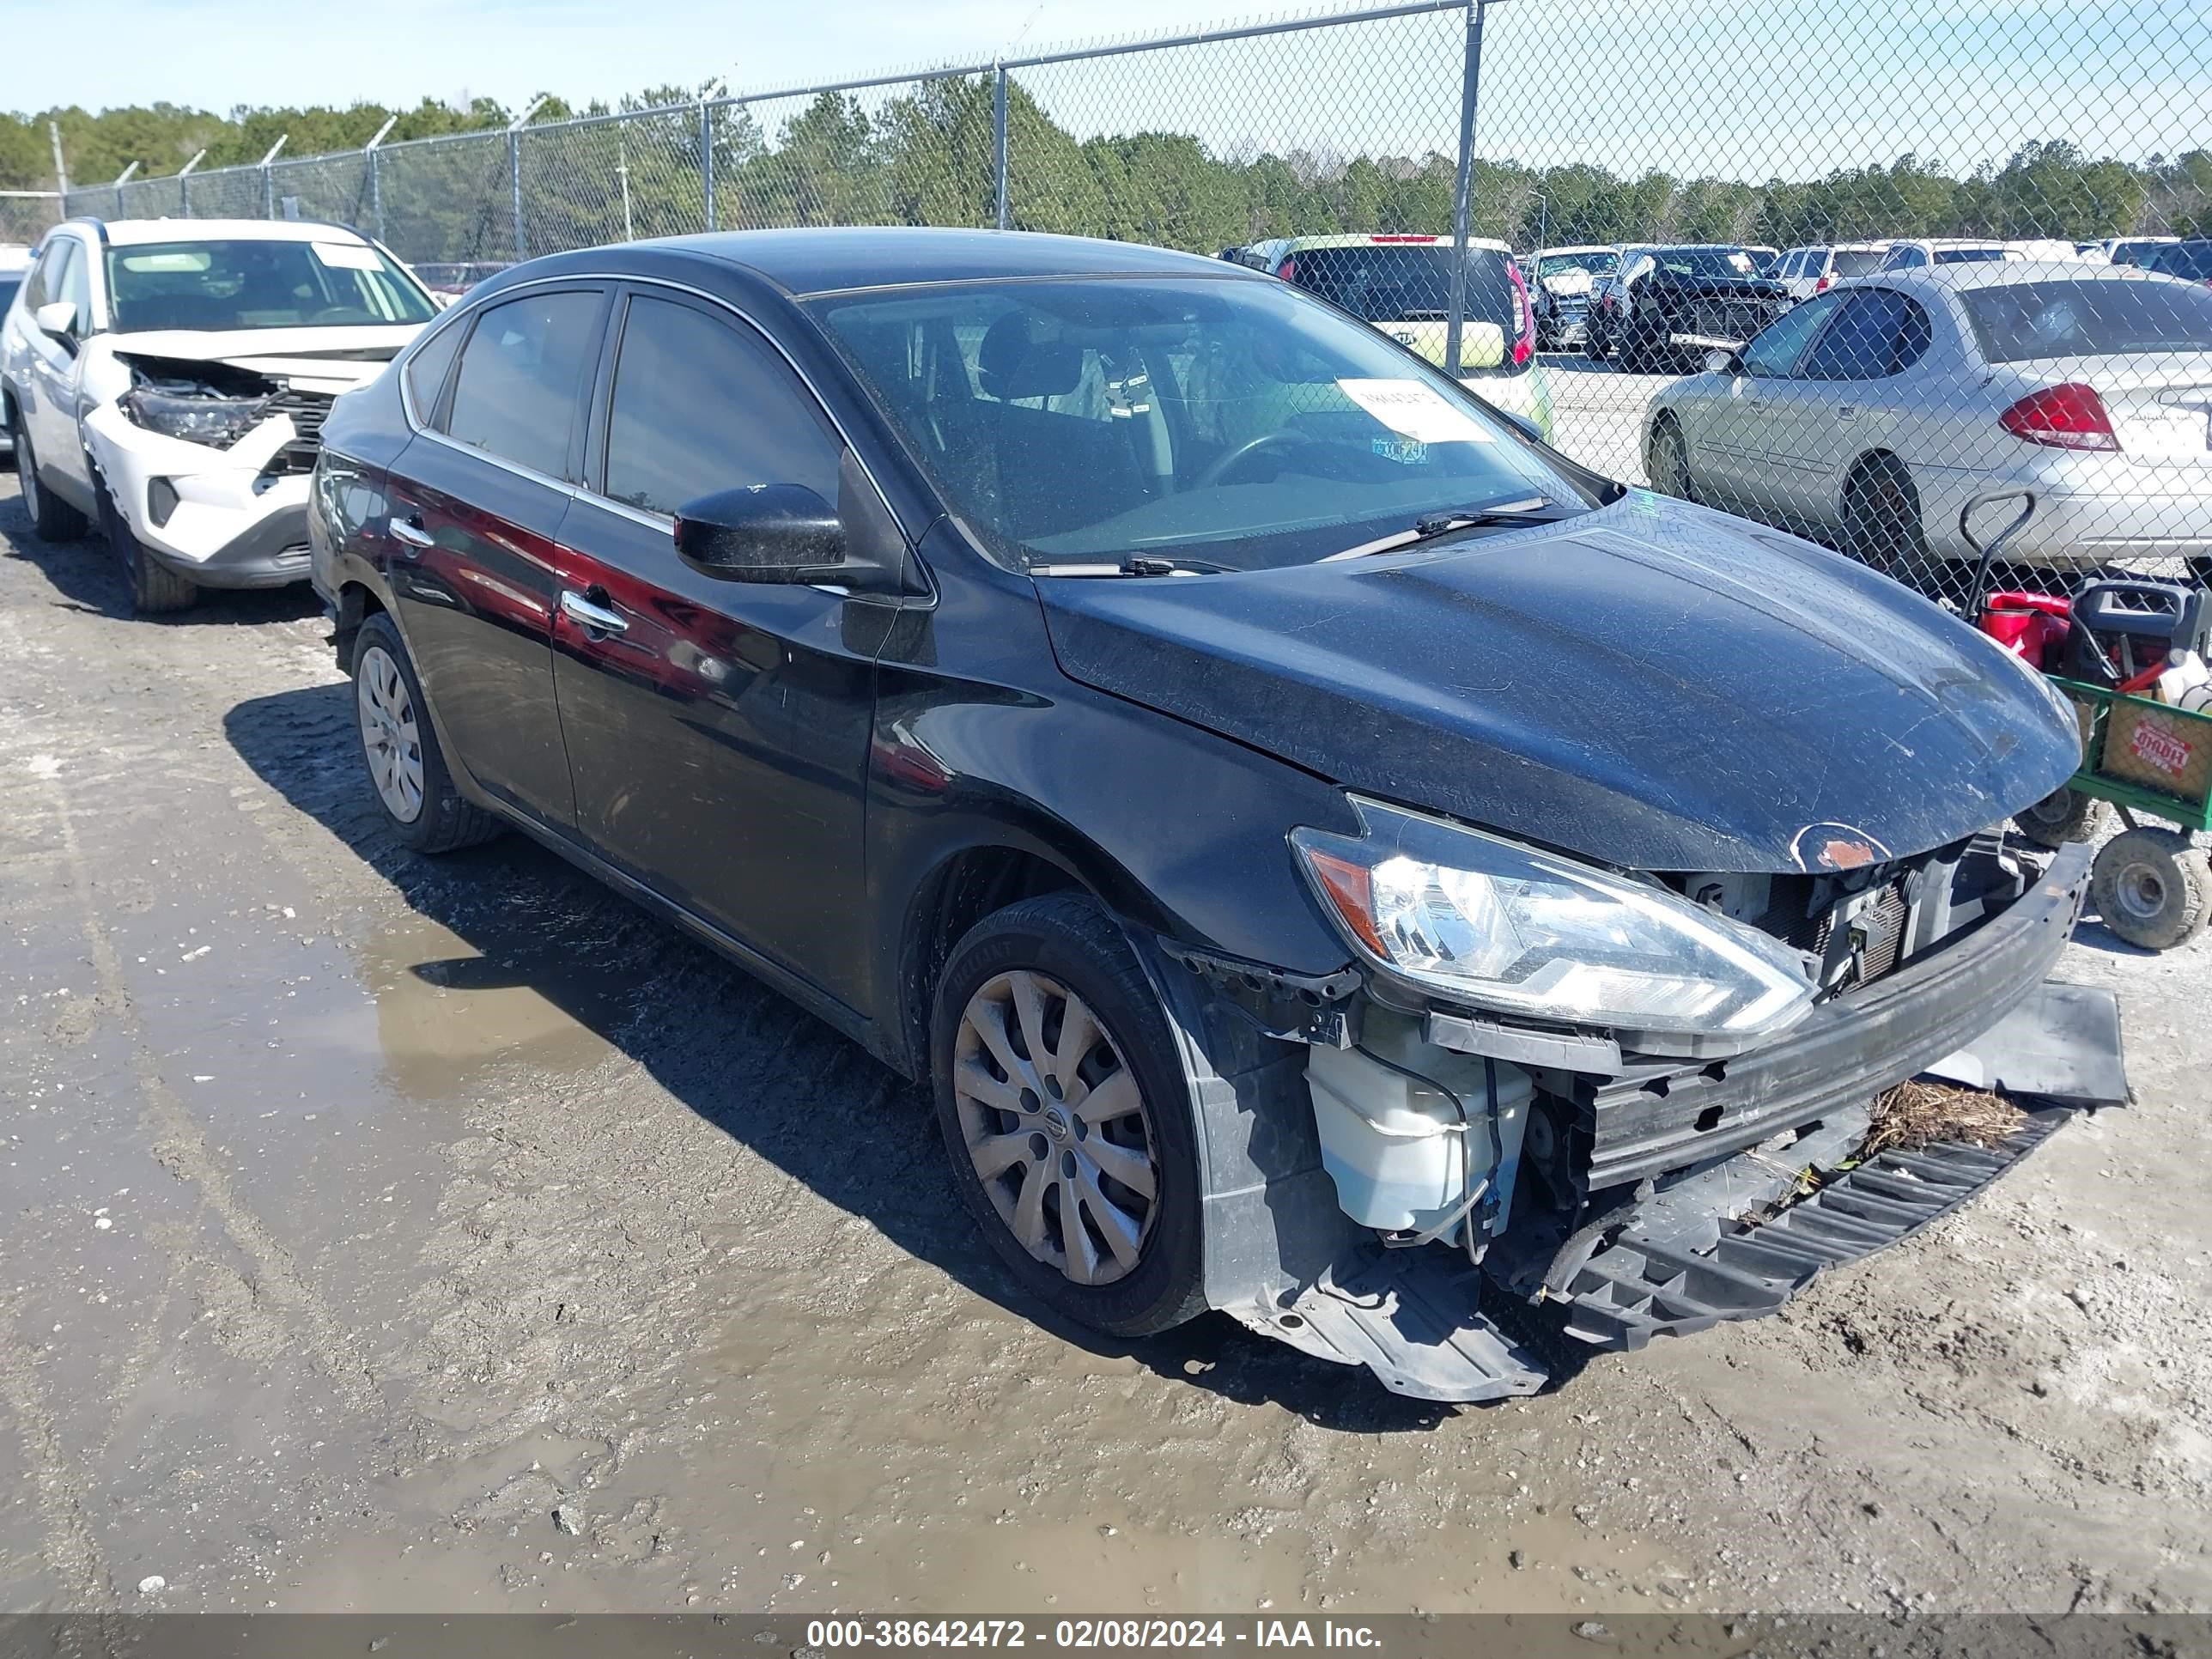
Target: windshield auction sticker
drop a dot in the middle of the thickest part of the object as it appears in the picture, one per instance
(1415, 410)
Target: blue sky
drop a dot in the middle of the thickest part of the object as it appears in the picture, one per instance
(1743, 88)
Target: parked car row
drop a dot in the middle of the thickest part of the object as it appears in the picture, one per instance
(1874, 414)
(1186, 727)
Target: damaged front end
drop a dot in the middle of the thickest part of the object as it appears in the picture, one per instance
(1642, 1102)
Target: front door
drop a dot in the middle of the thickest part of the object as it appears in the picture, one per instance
(472, 539)
(717, 730)
(1731, 432)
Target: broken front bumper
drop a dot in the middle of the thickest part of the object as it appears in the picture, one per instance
(1698, 1210)
(1668, 1114)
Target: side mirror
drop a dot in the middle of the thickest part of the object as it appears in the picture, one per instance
(768, 533)
(1723, 363)
(57, 317)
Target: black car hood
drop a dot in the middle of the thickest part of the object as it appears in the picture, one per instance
(1722, 287)
(1652, 686)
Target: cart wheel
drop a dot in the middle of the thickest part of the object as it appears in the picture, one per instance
(2153, 888)
(2056, 819)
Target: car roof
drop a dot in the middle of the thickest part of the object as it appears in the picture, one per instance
(2006, 273)
(828, 259)
(1387, 239)
(137, 233)
(1575, 247)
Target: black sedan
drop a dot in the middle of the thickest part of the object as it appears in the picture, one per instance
(1312, 837)
(1667, 306)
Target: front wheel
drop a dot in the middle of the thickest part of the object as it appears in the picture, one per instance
(1669, 463)
(155, 588)
(2153, 888)
(1063, 1104)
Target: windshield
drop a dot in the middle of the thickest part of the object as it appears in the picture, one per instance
(2020, 322)
(218, 286)
(1229, 421)
(1858, 261)
(1968, 256)
(1393, 283)
(1707, 263)
(1603, 264)
(9, 282)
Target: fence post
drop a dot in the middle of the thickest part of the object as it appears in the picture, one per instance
(1470, 90)
(268, 179)
(184, 186)
(999, 143)
(375, 182)
(707, 157)
(514, 188)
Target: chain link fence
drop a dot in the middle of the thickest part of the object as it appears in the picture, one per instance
(1680, 183)
(26, 215)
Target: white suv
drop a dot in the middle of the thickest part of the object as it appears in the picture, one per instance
(168, 379)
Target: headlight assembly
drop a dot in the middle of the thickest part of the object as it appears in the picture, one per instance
(215, 420)
(1491, 922)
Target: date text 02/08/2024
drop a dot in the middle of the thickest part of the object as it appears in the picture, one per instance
(1078, 1634)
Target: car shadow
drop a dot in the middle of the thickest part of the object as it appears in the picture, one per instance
(694, 1022)
(85, 577)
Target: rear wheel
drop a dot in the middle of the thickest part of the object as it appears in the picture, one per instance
(54, 519)
(1881, 522)
(1061, 1099)
(406, 768)
(2153, 888)
(2056, 819)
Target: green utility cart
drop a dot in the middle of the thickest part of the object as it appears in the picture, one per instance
(2152, 885)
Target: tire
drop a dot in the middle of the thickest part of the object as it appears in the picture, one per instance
(1881, 522)
(52, 518)
(1632, 356)
(1065, 949)
(397, 746)
(1594, 346)
(155, 588)
(1668, 464)
(2058, 819)
(2153, 888)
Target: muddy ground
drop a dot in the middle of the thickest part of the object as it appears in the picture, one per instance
(360, 1216)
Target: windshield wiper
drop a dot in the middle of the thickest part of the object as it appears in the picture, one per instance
(1531, 509)
(1135, 567)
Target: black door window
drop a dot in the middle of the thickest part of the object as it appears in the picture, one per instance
(1877, 333)
(520, 374)
(701, 404)
(426, 369)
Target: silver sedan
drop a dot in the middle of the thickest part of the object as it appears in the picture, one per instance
(1871, 415)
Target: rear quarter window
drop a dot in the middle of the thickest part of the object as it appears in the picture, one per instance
(2024, 322)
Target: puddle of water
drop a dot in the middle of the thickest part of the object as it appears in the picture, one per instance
(448, 1009)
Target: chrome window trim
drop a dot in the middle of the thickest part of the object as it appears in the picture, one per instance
(416, 425)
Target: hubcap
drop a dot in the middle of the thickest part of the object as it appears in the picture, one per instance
(1056, 1127)
(388, 734)
(2141, 892)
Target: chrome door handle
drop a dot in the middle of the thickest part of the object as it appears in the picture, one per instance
(594, 618)
(410, 534)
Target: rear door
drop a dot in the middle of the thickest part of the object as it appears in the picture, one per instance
(718, 731)
(50, 405)
(476, 506)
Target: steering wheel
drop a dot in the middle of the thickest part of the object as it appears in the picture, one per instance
(1282, 437)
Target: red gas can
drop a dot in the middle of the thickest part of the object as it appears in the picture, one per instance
(2026, 624)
